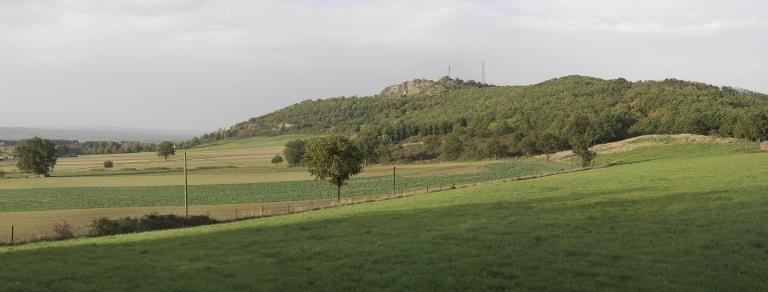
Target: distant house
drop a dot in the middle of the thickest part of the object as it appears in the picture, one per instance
(764, 146)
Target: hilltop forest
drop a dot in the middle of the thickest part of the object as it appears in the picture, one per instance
(455, 119)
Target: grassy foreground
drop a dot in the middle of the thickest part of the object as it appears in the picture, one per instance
(669, 218)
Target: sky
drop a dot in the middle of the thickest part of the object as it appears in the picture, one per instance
(199, 64)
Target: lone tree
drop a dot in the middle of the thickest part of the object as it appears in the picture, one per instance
(277, 159)
(333, 159)
(36, 155)
(294, 152)
(583, 133)
(109, 164)
(166, 149)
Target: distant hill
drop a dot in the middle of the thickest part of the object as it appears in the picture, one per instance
(105, 134)
(492, 121)
(435, 107)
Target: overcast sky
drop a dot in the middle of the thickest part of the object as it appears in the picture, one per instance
(192, 64)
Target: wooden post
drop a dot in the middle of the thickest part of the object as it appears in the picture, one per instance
(261, 211)
(186, 188)
(235, 213)
(12, 230)
(394, 180)
(427, 189)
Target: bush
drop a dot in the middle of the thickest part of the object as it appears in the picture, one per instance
(62, 231)
(108, 164)
(2, 173)
(105, 226)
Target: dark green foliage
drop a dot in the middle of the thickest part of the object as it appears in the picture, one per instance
(368, 143)
(104, 226)
(494, 149)
(582, 132)
(294, 152)
(451, 147)
(71, 148)
(277, 159)
(527, 119)
(581, 150)
(333, 159)
(548, 143)
(36, 155)
(166, 149)
(109, 164)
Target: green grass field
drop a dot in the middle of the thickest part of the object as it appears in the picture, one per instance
(40, 199)
(667, 218)
(222, 178)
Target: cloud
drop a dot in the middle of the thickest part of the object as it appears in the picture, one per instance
(163, 61)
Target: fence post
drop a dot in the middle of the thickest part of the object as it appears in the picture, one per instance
(12, 230)
(261, 211)
(235, 213)
(394, 180)
(427, 189)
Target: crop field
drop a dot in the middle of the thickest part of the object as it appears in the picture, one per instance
(692, 217)
(37, 199)
(219, 175)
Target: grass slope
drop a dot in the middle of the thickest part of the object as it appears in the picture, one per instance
(669, 218)
(253, 142)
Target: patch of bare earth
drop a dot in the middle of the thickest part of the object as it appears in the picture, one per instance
(647, 141)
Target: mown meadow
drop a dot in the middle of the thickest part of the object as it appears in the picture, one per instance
(679, 217)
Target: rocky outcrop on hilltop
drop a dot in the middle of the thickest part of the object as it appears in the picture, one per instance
(416, 87)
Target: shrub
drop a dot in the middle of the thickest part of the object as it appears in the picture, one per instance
(62, 231)
(105, 226)
(2, 173)
(108, 164)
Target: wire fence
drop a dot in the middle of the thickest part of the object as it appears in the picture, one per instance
(79, 220)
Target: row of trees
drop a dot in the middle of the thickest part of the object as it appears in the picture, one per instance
(579, 134)
(74, 147)
(39, 156)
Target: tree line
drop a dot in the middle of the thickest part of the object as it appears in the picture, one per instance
(66, 148)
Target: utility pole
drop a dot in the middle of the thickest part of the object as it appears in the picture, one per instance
(186, 188)
(449, 71)
(483, 77)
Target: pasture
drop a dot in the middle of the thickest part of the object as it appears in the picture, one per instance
(220, 175)
(679, 217)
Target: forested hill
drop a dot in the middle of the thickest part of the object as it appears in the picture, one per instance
(615, 108)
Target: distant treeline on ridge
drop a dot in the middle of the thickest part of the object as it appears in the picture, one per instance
(477, 120)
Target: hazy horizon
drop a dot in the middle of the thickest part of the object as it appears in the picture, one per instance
(205, 65)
